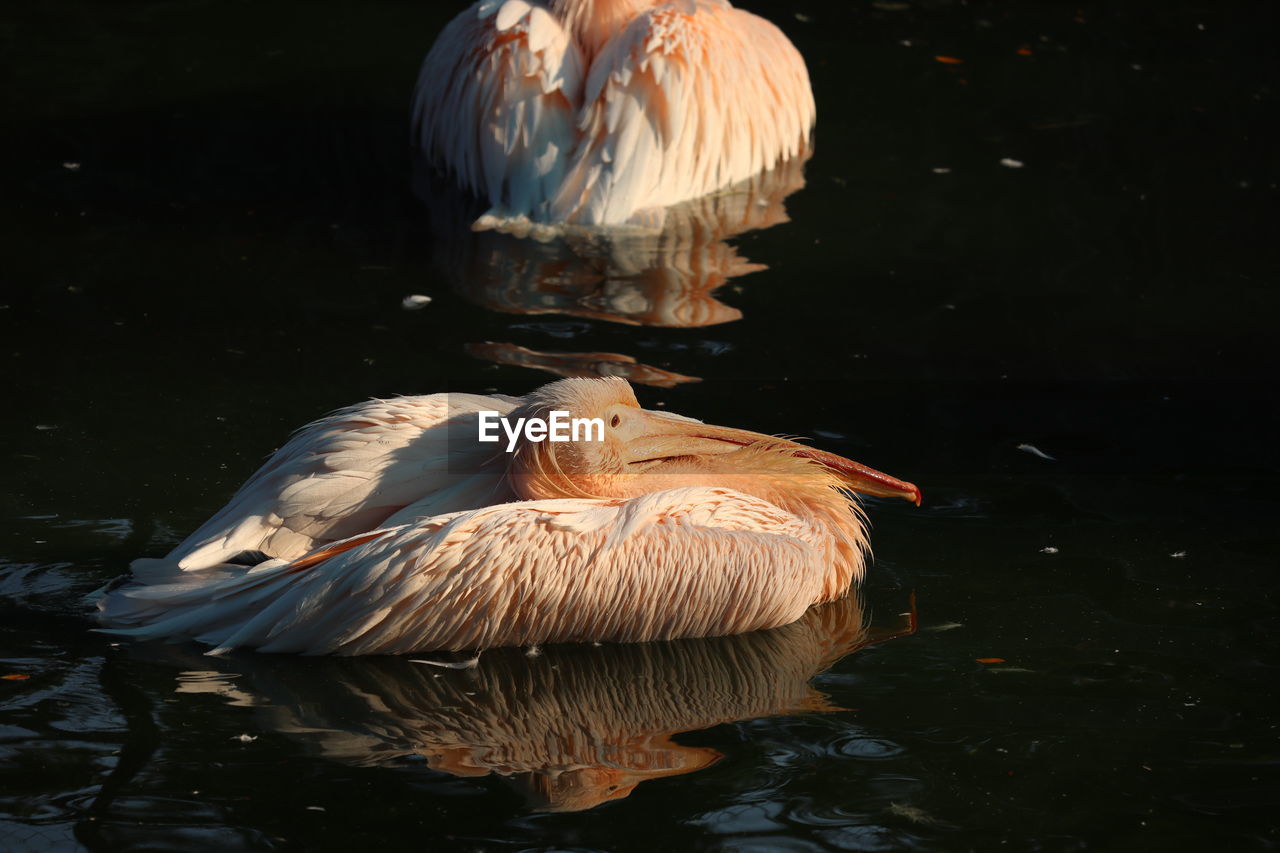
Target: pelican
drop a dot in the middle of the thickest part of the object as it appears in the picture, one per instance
(604, 112)
(390, 527)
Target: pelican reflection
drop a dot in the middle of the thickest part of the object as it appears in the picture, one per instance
(579, 364)
(664, 277)
(570, 727)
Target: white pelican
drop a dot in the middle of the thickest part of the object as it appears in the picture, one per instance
(604, 112)
(389, 527)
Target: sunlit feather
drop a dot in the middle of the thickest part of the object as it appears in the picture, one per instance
(409, 534)
(601, 112)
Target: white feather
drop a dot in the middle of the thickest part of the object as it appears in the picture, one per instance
(526, 125)
(511, 12)
(513, 574)
(349, 472)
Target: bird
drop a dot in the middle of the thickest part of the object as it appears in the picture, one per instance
(605, 112)
(391, 527)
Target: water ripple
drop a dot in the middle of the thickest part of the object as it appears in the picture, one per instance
(866, 747)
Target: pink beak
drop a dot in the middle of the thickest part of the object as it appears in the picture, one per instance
(856, 476)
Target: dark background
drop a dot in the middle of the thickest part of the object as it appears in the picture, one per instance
(225, 259)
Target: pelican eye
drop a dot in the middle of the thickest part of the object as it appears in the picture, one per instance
(616, 420)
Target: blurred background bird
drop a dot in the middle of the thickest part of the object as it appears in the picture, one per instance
(390, 527)
(604, 112)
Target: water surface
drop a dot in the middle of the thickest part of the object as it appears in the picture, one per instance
(211, 225)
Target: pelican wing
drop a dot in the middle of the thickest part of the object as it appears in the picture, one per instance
(689, 562)
(690, 97)
(496, 102)
(376, 463)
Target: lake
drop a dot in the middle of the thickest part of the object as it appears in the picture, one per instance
(1029, 267)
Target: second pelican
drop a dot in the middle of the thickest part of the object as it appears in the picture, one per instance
(603, 112)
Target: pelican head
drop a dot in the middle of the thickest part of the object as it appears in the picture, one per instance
(643, 451)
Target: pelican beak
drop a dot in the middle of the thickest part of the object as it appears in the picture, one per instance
(860, 478)
(666, 436)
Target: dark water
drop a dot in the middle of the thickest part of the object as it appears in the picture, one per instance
(210, 226)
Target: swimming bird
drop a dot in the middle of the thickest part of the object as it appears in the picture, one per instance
(603, 112)
(391, 527)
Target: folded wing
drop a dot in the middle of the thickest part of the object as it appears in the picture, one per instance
(688, 562)
(374, 464)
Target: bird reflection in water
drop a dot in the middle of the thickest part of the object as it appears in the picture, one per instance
(579, 364)
(571, 727)
(634, 276)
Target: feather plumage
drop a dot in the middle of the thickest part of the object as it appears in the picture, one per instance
(603, 112)
(382, 461)
(389, 527)
(516, 574)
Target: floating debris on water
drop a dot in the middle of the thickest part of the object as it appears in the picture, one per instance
(1048, 549)
(917, 815)
(945, 626)
(245, 738)
(1035, 451)
(71, 167)
(941, 170)
(1011, 163)
(415, 302)
(1178, 555)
